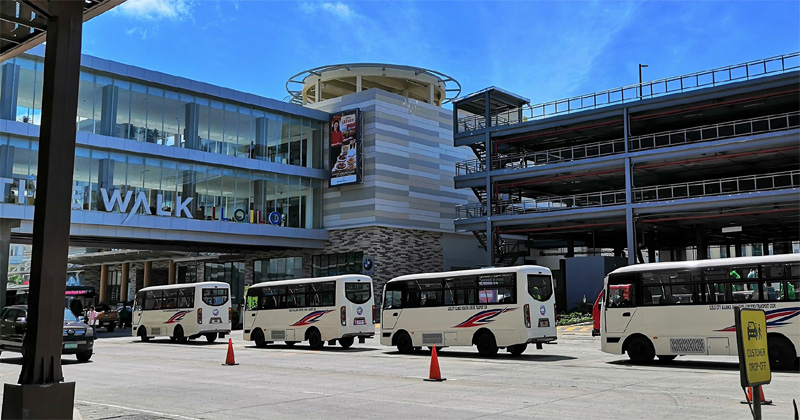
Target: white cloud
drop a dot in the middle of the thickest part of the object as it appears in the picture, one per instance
(156, 9)
(338, 9)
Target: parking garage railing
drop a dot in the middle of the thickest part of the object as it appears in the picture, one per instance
(658, 193)
(719, 131)
(715, 77)
(735, 185)
(738, 128)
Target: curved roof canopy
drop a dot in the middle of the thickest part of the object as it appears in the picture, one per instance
(327, 82)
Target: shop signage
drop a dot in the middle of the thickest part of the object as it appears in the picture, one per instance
(141, 202)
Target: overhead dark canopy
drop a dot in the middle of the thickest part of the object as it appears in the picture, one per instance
(499, 100)
(23, 23)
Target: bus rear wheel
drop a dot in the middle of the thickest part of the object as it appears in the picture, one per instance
(143, 334)
(178, 335)
(487, 346)
(517, 349)
(781, 354)
(315, 339)
(211, 337)
(667, 357)
(258, 337)
(404, 344)
(640, 350)
(346, 342)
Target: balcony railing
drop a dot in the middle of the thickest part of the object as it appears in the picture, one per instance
(658, 193)
(687, 82)
(738, 128)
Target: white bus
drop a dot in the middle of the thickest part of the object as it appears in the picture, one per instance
(492, 308)
(686, 308)
(183, 311)
(339, 308)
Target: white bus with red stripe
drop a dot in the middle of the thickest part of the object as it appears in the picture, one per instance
(685, 308)
(318, 310)
(492, 308)
(183, 311)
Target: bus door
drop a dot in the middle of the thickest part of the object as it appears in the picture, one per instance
(251, 307)
(392, 305)
(618, 308)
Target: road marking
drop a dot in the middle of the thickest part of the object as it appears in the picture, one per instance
(137, 409)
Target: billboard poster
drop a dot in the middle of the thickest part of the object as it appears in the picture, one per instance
(345, 151)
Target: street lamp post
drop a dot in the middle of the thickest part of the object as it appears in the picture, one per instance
(640, 78)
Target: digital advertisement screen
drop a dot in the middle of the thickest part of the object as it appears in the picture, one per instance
(345, 149)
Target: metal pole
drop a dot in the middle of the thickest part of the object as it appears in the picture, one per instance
(756, 402)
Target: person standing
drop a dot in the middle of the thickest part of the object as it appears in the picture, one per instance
(91, 316)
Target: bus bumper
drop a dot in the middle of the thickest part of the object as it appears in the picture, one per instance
(541, 340)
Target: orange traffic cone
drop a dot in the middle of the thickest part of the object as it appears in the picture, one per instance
(764, 401)
(435, 375)
(229, 361)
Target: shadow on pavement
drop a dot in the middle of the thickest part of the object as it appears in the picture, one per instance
(327, 348)
(66, 360)
(501, 355)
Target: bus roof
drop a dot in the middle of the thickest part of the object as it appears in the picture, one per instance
(716, 262)
(358, 277)
(181, 285)
(533, 269)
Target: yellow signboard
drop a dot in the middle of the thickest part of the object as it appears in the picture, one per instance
(751, 334)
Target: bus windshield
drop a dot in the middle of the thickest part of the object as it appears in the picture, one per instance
(358, 292)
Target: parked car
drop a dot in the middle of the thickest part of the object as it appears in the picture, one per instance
(78, 338)
(107, 317)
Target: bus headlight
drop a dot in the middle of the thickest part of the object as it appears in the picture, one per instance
(344, 316)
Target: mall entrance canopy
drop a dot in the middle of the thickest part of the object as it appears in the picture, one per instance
(23, 24)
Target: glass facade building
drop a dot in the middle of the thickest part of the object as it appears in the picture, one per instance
(220, 181)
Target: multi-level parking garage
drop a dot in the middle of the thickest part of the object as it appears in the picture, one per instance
(689, 163)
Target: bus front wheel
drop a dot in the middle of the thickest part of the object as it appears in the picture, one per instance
(143, 334)
(315, 339)
(781, 354)
(404, 344)
(487, 346)
(346, 342)
(258, 337)
(640, 350)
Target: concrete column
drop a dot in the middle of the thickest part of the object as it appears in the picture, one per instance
(317, 93)
(5, 249)
(9, 91)
(171, 278)
(105, 179)
(358, 83)
(123, 284)
(148, 265)
(103, 297)
(431, 96)
(262, 127)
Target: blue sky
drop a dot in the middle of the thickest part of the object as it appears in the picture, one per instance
(543, 50)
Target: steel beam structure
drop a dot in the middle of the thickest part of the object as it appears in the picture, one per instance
(41, 377)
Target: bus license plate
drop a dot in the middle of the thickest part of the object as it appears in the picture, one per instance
(216, 320)
(70, 345)
(360, 321)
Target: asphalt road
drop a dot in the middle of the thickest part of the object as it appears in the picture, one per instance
(128, 379)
